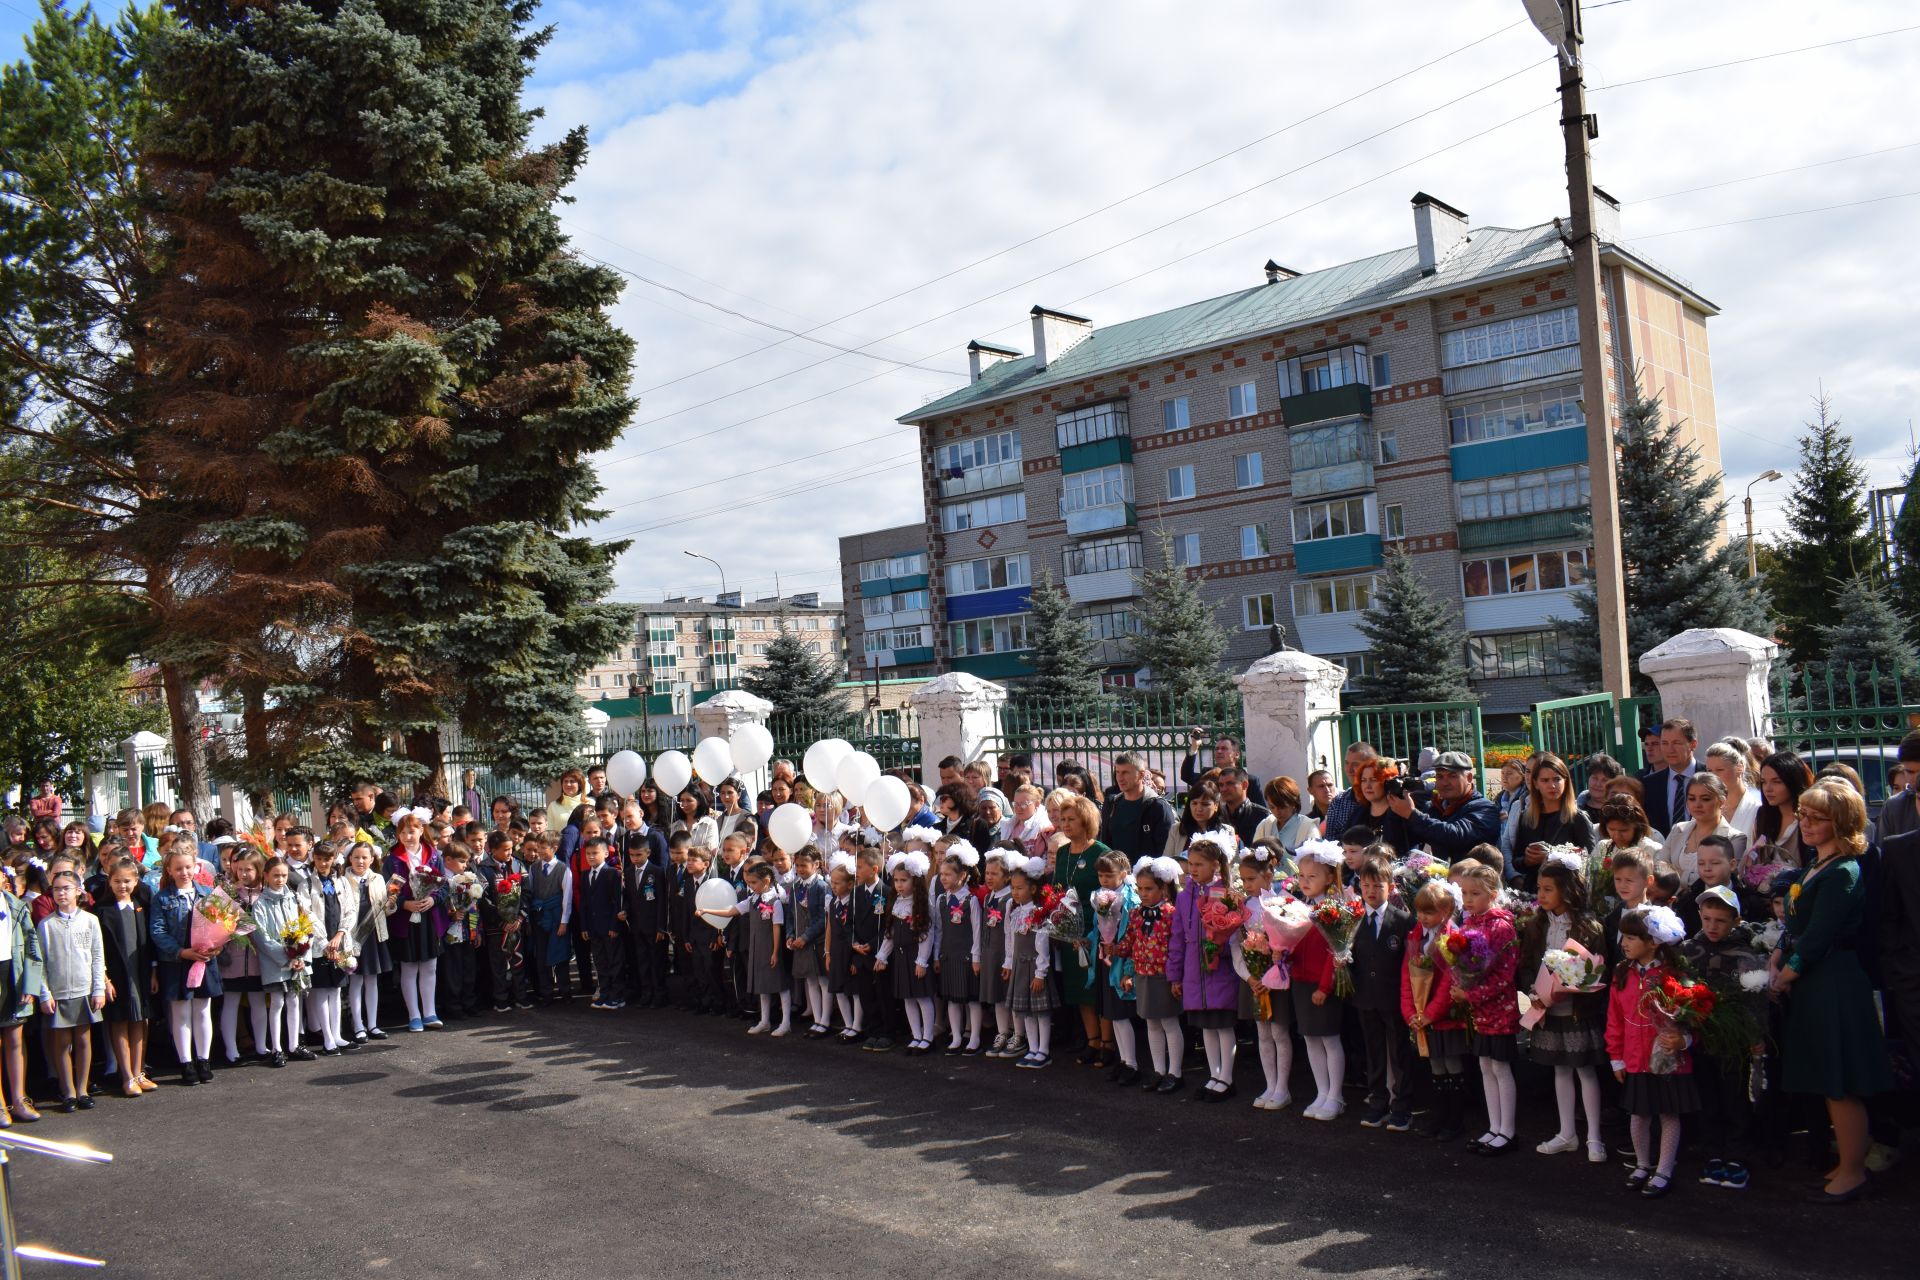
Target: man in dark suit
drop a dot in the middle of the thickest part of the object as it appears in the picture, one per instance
(1379, 962)
(1667, 786)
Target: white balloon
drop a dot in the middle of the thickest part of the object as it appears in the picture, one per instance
(885, 803)
(713, 760)
(790, 826)
(712, 896)
(752, 747)
(672, 771)
(625, 772)
(822, 762)
(853, 775)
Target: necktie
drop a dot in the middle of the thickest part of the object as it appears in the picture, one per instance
(1375, 913)
(1678, 805)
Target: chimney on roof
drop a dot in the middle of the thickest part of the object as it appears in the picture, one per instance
(1276, 273)
(1055, 333)
(1606, 216)
(982, 356)
(1438, 229)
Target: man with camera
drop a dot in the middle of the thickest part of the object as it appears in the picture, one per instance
(1457, 819)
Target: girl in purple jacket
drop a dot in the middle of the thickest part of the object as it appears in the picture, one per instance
(1199, 960)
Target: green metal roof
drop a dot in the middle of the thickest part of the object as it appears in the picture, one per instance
(1384, 280)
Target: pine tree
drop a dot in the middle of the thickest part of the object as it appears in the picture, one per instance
(1679, 570)
(1417, 646)
(795, 681)
(1866, 646)
(1829, 540)
(1060, 650)
(1906, 552)
(382, 373)
(1181, 642)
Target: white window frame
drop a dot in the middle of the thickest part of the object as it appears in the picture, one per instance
(1001, 627)
(1513, 336)
(1386, 444)
(1186, 545)
(1243, 399)
(1270, 609)
(1393, 520)
(983, 513)
(1184, 470)
(1103, 555)
(1327, 597)
(1382, 369)
(1500, 569)
(1261, 543)
(1014, 568)
(1175, 414)
(1348, 506)
(1249, 471)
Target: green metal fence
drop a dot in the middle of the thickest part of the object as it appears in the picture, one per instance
(1635, 713)
(891, 736)
(1573, 728)
(1827, 714)
(1400, 731)
(1147, 723)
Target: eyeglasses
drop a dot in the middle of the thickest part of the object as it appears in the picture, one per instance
(1813, 815)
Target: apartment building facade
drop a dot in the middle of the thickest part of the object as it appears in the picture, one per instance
(884, 578)
(706, 645)
(1283, 437)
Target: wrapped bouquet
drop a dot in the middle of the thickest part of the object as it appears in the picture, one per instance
(217, 920)
(1675, 1005)
(422, 882)
(1284, 921)
(1063, 923)
(1337, 918)
(1413, 873)
(1468, 955)
(297, 937)
(1106, 913)
(1569, 970)
(1219, 918)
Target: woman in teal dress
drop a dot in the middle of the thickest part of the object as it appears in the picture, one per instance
(1077, 848)
(1833, 1045)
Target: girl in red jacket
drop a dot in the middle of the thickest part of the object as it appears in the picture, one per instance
(1439, 1032)
(1492, 1001)
(1649, 938)
(1317, 1011)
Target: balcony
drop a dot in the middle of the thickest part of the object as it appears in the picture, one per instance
(1099, 519)
(981, 479)
(1521, 531)
(661, 649)
(1339, 555)
(1107, 584)
(1510, 455)
(994, 666)
(1321, 482)
(1513, 369)
(1091, 457)
(1355, 399)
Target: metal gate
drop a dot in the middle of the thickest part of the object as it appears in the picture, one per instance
(1145, 723)
(1827, 714)
(1399, 731)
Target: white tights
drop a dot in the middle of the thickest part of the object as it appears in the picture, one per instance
(191, 1022)
(283, 1022)
(1328, 1059)
(363, 998)
(1124, 1041)
(921, 1019)
(766, 1010)
(1503, 1100)
(1642, 1127)
(418, 982)
(852, 1017)
(1589, 1090)
(819, 1003)
(230, 1021)
(1166, 1045)
(326, 1016)
(1003, 1019)
(1039, 1033)
(966, 1029)
(1219, 1045)
(1276, 1058)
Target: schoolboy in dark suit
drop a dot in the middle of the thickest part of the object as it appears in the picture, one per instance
(1379, 955)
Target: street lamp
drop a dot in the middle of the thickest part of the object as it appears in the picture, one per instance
(1753, 563)
(716, 564)
(723, 595)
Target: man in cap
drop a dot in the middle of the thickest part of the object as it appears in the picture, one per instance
(1457, 818)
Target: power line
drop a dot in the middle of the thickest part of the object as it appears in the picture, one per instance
(741, 475)
(1790, 213)
(1758, 57)
(1773, 173)
(1114, 204)
(892, 464)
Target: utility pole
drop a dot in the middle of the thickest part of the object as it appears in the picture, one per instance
(1753, 560)
(1559, 22)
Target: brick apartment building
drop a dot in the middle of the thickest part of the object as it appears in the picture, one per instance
(706, 644)
(1284, 436)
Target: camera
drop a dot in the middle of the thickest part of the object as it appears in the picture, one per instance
(1395, 788)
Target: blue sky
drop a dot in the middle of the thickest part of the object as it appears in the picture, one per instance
(891, 170)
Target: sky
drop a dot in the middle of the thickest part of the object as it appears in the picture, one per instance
(892, 180)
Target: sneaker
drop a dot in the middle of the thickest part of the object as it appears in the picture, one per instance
(1733, 1176)
(611, 1004)
(1559, 1145)
(878, 1044)
(1375, 1117)
(525, 1003)
(503, 1008)
(414, 1024)
(1016, 1046)
(432, 1024)
(1714, 1174)
(999, 1043)
(1399, 1122)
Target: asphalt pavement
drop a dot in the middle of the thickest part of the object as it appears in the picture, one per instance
(566, 1142)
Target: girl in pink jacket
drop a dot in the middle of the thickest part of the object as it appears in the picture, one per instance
(1649, 938)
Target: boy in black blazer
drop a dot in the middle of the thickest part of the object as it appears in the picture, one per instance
(1379, 966)
(702, 948)
(880, 1011)
(643, 884)
(598, 917)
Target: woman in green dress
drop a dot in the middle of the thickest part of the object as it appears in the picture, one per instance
(1077, 848)
(1833, 1045)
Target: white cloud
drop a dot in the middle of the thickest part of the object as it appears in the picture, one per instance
(816, 158)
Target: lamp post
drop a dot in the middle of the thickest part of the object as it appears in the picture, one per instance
(1753, 562)
(1559, 22)
(723, 592)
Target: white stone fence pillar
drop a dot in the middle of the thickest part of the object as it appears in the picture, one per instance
(1291, 702)
(959, 715)
(1715, 677)
(721, 716)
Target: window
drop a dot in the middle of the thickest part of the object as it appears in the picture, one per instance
(873, 570)
(1358, 665)
(987, 635)
(1257, 610)
(1179, 483)
(1517, 574)
(1090, 423)
(1323, 370)
(760, 650)
(1103, 554)
(902, 638)
(1247, 471)
(1312, 448)
(1547, 409)
(1334, 595)
(1382, 371)
(985, 462)
(1389, 444)
(1186, 549)
(1501, 338)
(813, 646)
(593, 682)
(990, 574)
(1089, 490)
(1112, 624)
(1253, 541)
(1316, 520)
(1561, 489)
(1173, 414)
(1002, 508)
(813, 624)
(899, 602)
(638, 653)
(759, 624)
(1524, 653)
(1393, 521)
(1243, 400)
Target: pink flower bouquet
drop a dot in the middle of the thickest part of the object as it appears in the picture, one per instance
(1285, 921)
(217, 920)
(1570, 970)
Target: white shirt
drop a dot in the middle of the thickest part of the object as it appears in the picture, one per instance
(923, 954)
(1042, 946)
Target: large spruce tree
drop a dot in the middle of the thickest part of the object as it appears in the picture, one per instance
(1060, 650)
(1418, 650)
(1828, 541)
(1868, 652)
(1181, 641)
(1679, 569)
(381, 374)
(796, 680)
(1906, 552)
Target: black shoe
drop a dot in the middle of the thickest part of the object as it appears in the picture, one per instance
(188, 1075)
(1823, 1196)
(204, 1069)
(277, 1059)
(1500, 1145)
(1658, 1185)
(1088, 1057)
(878, 1044)
(84, 1102)
(503, 1008)
(375, 1033)
(1638, 1179)
(1398, 1122)
(1447, 1132)
(302, 1054)
(1150, 1081)
(329, 1053)
(1127, 1076)
(524, 1003)
(66, 1106)
(1169, 1083)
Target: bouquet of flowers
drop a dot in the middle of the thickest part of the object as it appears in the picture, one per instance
(1675, 1005)
(297, 937)
(1337, 918)
(1412, 874)
(509, 903)
(1521, 906)
(1219, 918)
(1766, 937)
(1284, 921)
(1759, 873)
(1570, 970)
(422, 882)
(1106, 913)
(1063, 923)
(217, 920)
(1467, 953)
